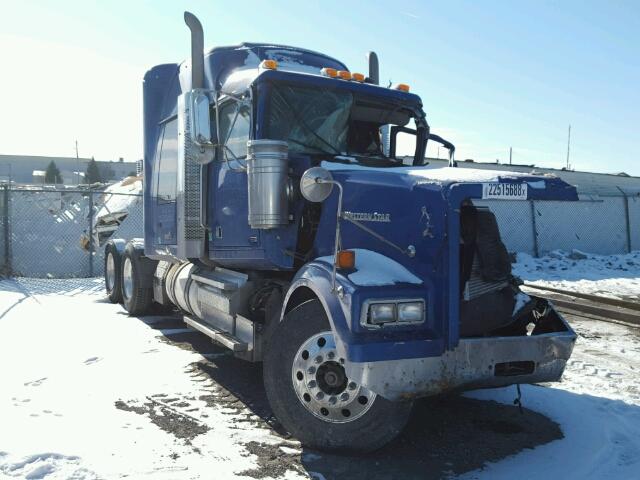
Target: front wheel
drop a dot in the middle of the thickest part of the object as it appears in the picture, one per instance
(311, 395)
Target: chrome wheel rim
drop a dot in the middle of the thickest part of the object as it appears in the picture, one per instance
(127, 278)
(321, 383)
(110, 272)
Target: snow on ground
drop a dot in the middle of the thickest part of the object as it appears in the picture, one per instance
(615, 276)
(597, 405)
(89, 392)
(81, 381)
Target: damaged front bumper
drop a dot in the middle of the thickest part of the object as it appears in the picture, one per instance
(485, 362)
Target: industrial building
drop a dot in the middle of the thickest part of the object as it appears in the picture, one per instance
(29, 169)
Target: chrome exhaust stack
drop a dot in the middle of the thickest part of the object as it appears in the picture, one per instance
(197, 50)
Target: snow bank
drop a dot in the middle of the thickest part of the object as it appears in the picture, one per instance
(374, 269)
(615, 276)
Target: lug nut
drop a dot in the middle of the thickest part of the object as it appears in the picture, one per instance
(312, 384)
(311, 370)
(333, 400)
(319, 359)
(319, 395)
(331, 355)
(352, 385)
(344, 397)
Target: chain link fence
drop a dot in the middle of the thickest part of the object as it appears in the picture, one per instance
(48, 233)
(604, 225)
(59, 233)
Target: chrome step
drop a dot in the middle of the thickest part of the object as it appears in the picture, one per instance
(221, 278)
(214, 282)
(216, 335)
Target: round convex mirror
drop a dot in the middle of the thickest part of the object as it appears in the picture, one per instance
(316, 184)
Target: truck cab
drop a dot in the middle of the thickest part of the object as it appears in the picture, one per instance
(279, 221)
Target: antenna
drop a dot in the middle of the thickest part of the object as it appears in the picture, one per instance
(510, 154)
(568, 147)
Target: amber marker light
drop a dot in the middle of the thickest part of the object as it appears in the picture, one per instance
(329, 72)
(403, 87)
(269, 64)
(346, 259)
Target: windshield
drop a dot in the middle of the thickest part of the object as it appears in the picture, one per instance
(331, 121)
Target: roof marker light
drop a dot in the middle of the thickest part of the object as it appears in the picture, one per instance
(269, 64)
(344, 74)
(329, 72)
(358, 77)
(403, 87)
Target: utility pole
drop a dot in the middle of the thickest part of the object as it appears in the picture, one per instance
(568, 147)
(510, 154)
(77, 165)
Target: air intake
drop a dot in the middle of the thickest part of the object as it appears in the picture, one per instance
(267, 172)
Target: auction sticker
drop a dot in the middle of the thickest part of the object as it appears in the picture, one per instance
(505, 191)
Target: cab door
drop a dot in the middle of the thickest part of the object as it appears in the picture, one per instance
(230, 225)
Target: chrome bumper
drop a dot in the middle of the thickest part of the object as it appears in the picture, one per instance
(475, 363)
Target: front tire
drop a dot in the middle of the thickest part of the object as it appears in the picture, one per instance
(311, 395)
(137, 299)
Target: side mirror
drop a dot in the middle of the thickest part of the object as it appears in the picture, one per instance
(316, 184)
(194, 127)
(446, 144)
(200, 116)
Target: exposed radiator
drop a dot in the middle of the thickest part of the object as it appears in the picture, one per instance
(477, 286)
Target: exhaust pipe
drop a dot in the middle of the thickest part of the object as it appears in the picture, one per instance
(374, 70)
(197, 50)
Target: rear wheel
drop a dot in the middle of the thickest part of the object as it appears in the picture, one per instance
(136, 298)
(311, 394)
(112, 274)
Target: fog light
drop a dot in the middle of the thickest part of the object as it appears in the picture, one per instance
(411, 312)
(382, 313)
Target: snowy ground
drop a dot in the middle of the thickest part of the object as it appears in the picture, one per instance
(615, 276)
(88, 392)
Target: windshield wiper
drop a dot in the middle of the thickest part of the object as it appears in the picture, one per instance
(307, 145)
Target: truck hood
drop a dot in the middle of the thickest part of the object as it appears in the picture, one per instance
(540, 187)
(416, 208)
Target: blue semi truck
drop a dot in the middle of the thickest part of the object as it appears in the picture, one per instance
(279, 221)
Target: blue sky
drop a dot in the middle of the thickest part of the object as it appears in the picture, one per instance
(491, 74)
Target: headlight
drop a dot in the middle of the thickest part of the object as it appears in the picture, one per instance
(412, 312)
(382, 313)
(395, 312)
